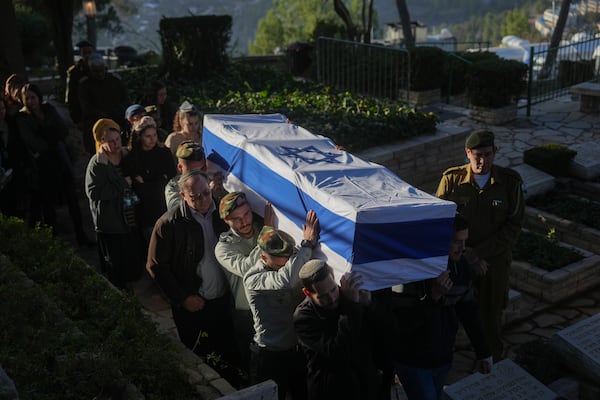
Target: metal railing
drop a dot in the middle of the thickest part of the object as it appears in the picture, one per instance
(574, 63)
(367, 69)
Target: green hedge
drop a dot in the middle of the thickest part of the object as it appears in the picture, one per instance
(552, 158)
(544, 251)
(426, 68)
(495, 83)
(118, 341)
(195, 46)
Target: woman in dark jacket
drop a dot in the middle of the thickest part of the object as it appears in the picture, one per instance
(112, 210)
(149, 166)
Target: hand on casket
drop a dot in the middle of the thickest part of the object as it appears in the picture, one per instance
(312, 228)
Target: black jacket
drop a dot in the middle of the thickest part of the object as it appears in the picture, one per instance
(176, 247)
(337, 348)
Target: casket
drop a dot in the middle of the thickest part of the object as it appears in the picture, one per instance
(371, 221)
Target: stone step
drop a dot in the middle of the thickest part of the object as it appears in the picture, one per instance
(586, 163)
(535, 181)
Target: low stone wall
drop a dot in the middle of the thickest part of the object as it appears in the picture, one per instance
(567, 231)
(421, 160)
(557, 285)
(420, 98)
(494, 116)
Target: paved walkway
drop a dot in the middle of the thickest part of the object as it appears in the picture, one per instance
(557, 121)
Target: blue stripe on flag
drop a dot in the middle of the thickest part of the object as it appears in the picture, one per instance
(374, 242)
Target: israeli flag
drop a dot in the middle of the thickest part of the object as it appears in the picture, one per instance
(371, 221)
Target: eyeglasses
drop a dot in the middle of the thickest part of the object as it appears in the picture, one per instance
(199, 196)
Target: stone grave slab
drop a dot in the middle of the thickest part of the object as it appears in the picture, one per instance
(506, 381)
(266, 390)
(579, 346)
(535, 181)
(586, 164)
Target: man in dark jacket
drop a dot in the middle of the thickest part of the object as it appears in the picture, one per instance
(426, 321)
(74, 74)
(181, 259)
(101, 95)
(330, 324)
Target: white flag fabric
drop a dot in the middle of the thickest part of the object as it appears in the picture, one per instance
(371, 221)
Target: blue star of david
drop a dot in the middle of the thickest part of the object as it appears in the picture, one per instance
(310, 154)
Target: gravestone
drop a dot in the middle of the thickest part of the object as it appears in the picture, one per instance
(535, 181)
(266, 390)
(586, 163)
(506, 381)
(579, 346)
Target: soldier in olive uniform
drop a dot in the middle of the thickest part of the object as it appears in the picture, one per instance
(74, 75)
(237, 251)
(491, 199)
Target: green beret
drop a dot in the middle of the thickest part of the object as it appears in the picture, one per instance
(275, 242)
(230, 202)
(480, 138)
(190, 151)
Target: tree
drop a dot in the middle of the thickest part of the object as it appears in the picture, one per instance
(291, 21)
(555, 39)
(11, 53)
(362, 32)
(61, 16)
(409, 40)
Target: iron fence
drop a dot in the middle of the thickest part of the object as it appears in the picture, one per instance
(367, 69)
(573, 63)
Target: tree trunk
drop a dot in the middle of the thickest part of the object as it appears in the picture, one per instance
(11, 52)
(341, 10)
(61, 13)
(369, 25)
(555, 39)
(409, 40)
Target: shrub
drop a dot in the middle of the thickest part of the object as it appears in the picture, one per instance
(98, 321)
(195, 46)
(495, 83)
(574, 208)
(456, 66)
(426, 68)
(544, 251)
(550, 157)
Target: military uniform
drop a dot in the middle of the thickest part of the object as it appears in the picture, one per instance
(495, 214)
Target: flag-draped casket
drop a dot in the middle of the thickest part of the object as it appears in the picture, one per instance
(371, 221)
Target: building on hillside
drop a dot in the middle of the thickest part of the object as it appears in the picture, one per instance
(392, 32)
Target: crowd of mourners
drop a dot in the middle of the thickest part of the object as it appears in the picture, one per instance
(240, 288)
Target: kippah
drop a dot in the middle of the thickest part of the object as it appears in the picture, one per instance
(311, 268)
(480, 138)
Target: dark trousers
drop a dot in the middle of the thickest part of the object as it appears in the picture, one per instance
(208, 330)
(287, 368)
(244, 332)
(120, 257)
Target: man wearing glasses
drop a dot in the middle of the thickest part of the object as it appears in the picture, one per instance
(491, 199)
(181, 260)
(190, 155)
